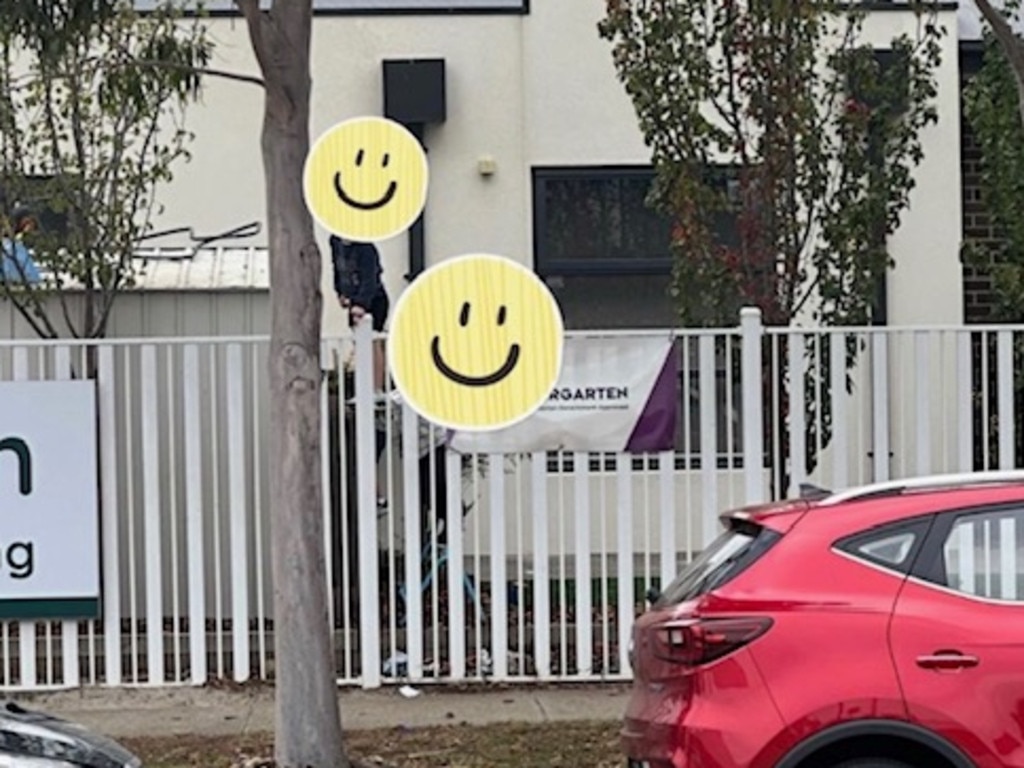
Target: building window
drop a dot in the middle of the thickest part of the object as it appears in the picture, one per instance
(606, 257)
(591, 221)
(366, 7)
(604, 253)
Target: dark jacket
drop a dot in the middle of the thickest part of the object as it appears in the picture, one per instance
(357, 272)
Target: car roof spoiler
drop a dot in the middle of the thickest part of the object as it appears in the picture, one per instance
(813, 492)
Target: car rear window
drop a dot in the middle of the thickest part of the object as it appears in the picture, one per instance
(891, 546)
(724, 559)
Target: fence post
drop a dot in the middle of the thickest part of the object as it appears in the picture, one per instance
(751, 377)
(366, 477)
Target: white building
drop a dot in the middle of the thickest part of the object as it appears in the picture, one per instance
(532, 95)
(533, 109)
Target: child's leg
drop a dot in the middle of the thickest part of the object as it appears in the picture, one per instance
(379, 312)
(378, 365)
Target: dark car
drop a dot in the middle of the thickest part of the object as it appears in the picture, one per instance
(36, 740)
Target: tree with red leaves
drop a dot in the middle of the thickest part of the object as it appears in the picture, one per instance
(783, 147)
(778, 117)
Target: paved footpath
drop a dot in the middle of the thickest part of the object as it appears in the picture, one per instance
(125, 713)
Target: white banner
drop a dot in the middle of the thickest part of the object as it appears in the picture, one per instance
(49, 539)
(614, 394)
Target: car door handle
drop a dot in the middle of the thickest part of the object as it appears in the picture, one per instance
(947, 660)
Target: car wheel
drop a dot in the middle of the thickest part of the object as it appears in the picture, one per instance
(872, 762)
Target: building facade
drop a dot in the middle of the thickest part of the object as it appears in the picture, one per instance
(534, 115)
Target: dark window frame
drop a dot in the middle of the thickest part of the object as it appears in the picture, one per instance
(547, 266)
(721, 175)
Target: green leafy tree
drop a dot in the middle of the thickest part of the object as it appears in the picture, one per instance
(992, 107)
(783, 146)
(999, 19)
(991, 101)
(92, 102)
(776, 116)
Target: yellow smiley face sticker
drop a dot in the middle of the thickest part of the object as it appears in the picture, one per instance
(366, 179)
(476, 343)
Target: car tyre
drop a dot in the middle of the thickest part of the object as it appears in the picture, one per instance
(872, 762)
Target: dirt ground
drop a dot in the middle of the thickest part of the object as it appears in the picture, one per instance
(509, 745)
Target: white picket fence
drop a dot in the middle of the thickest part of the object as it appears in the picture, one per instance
(545, 558)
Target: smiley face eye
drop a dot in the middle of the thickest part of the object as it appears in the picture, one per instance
(464, 314)
(387, 159)
(359, 157)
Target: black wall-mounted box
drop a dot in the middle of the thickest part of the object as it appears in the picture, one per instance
(414, 91)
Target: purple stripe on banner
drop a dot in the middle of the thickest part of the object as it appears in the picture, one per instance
(655, 430)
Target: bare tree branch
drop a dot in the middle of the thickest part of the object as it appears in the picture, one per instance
(209, 71)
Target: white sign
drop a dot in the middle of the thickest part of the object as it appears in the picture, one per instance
(49, 525)
(615, 394)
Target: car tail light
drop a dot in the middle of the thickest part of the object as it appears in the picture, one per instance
(692, 642)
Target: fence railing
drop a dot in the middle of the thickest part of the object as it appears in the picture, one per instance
(505, 567)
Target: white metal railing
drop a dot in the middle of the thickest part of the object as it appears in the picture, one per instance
(541, 578)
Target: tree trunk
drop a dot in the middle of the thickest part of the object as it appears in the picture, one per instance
(1013, 47)
(308, 726)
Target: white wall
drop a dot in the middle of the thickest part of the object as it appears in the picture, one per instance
(970, 25)
(926, 286)
(538, 89)
(466, 212)
(160, 314)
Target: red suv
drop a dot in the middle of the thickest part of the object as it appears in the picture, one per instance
(881, 627)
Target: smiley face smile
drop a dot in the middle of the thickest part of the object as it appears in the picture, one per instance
(473, 381)
(392, 188)
(358, 204)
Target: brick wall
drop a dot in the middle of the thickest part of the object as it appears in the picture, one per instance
(977, 224)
